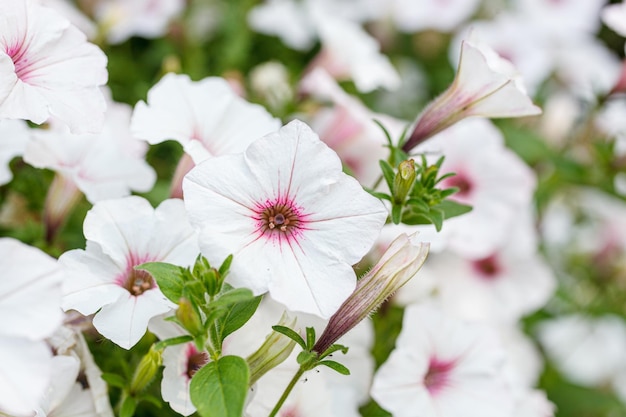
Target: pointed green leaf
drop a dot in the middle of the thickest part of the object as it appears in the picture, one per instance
(172, 342)
(231, 297)
(396, 214)
(436, 217)
(219, 388)
(128, 407)
(114, 380)
(452, 208)
(237, 315)
(293, 335)
(169, 278)
(310, 337)
(388, 173)
(336, 366)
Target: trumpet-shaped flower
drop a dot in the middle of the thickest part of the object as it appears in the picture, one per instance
(47, 68)
(206, 117)
(102, 166)
(485, 85)
(101, 279)
(293, 220)
(442, 367)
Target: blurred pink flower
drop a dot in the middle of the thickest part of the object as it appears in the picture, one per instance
(293, 220)
(47, 68)
(442, 367)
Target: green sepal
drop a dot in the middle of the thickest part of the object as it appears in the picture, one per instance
(335, 366)
(293, 335)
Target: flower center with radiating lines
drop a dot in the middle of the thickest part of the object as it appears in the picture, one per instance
(281, 217)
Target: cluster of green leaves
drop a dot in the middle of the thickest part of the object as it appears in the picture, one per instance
(209, 310)
(414, 191)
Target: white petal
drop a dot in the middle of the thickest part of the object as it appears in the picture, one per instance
(126, 321)
(30, 291)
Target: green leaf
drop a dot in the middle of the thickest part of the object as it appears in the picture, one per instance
(382, 196)
(418, 205)
(452, 208)
(396, 214)
(237, 316)
(436, 218)
(310, 337)
(235, 296)
(336, 366)
(293, 335)
(172, 342)
(334, 348)
(220, 387)
(224, 268)
(114, 380)
(128, 407)
(169, 278)
(388, 173)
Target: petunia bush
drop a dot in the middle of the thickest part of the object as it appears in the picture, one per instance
(312, 208)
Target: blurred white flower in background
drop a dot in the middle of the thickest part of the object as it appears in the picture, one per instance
(14, 135)
(47, 68)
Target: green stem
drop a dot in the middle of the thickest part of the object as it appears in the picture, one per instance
(283, 397)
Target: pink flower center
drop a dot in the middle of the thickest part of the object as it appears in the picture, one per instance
(195, 360)
(280, 218)
(20, 60)
(438, 375)
(462, 182)
(489, 267)
(136, 281)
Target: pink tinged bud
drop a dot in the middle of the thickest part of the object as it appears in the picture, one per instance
(485, 85)
(620, 85)
(404, 257)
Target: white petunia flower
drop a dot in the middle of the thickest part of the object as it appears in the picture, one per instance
(14, 136)
(442, 367)
(501, 287)
(588, 351)
(443, 16)
(65, 396)
(614, 16)
(47, 68)
(122, 19)
(293, 220)
(107, 165)
(206, 117)
(30, 298)
(349, 52)
(101, 279)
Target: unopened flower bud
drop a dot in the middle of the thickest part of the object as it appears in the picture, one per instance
(485, 85)
(404, 257)
(274, 350)
(403, 182)
(146, 371)
(189, 317)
